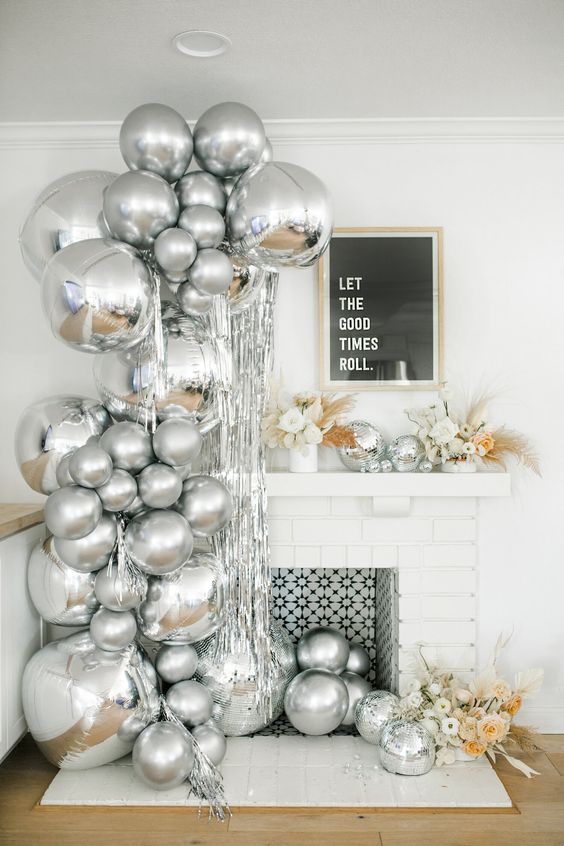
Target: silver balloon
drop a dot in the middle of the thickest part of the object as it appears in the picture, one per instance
(369, 449)
(357, 687)
(229, 183)
(406, 452)
(268, 153)
(245, 285)
(114, 592)
(50, 429)
(316, 701)
(155, 137)
(68, 210)
(228, 138)
(406, 748)
(128, 445)
(190, 701)
(90, 466)
(359, 660)
(177, 441)
(175, 250)
(76, 697)
(138, 206)
(93, 551)
(233, 683)
(186, 606)
(279, 215)
(97, 296)
(119, 492)
(201, 189)
(159, 485)
(323, 648)
(112, 630)
(207, 505)
(205, 224)
(211, 741)
(176, 663)
(211, 273)
(163, 756)
(192, 301)
(62, 473)
(72, 512)
(183, 470)
(373, 711)
(60, 594)
(136, 507)
(159, 542)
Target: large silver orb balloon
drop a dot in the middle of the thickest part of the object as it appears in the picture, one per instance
(159, 485)
(323, 648)
(90, 466)
(59, 593)
(72, 512)
(112, 630)
(62, 474)
(207, 505)
(159, 542)
(245, 285)
(233, 683)
(176, 662)
(357, 687)
(201, 189)
(406, 748)
(359, 660)
(228, 138)
(128, 445)
(118, 492)
(93, 551)
(211, 741)
(50, 429)
(76, 697)
(187, 605)
(369, 449)
(163, 756)
(177, 441)
(373, 711)
(114, 592)
(138, 206)
(97, 296)
(155, 137)
(205, 224)
(279, 215)
(192, 301)
(175, 250)
(316, 701)
(406, 452)
(190, 701)
(211, 273)
(68, 210)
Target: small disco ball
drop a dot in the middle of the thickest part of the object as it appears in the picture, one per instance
(370, 447)
(406, 748)
(372, 712)
(406, 452)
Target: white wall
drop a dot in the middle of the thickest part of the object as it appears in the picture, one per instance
(501, 204)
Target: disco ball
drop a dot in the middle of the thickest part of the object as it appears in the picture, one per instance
(369, 449)
(372, 713)
(406, 748)
(406, 452)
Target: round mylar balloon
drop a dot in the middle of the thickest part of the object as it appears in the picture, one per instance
(72, 512)
(192, 301)
(60, 594)
(113, 592)
(93, 551)
(112, 630)
(211, 273)
(245, 285)
(211, 741)
(159, 542)
(205, 224)
(155, 137)
(128, 445)
(175, 251)
(159, 485)
(176, 662)
(316, 701)
(138, 206)
(199, 188)
(118, 492)
(190, 701)
(207, 505)
(177, 441)
(163, 756)
(228, 138)
(90, 466)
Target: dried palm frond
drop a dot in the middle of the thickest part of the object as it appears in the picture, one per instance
(476, 413)
(507, 443)
(524, 737)
(339, 436)
(334, 408)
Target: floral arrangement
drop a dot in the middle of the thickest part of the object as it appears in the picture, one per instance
(296, 421)
(476, 718)
(449, 436)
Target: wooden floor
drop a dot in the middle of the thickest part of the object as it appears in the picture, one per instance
(538, 817)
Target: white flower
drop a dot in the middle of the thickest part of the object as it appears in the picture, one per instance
(449, 725)
(466, 430)
(312, 434)
(435, 688)
(445, 756)
(292, 421)
(468, 448)
(415, 699)
(443, 431)
(442, 707)
(431, 725)
(314, 412)
(413, 686)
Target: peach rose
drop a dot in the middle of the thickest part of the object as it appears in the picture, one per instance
(477, 712)
(474, 748)
(513, 705)
(501, 690)
(492, 728)
(468, 729)
(483, 442)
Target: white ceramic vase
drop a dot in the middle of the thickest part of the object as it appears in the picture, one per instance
(463, 756)
(454, 466)
(307, 463)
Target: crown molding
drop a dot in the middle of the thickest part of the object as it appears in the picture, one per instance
(101, 134)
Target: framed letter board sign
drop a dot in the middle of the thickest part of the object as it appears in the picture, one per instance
(381, 309)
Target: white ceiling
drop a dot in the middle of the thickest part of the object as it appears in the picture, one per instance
(96, 59)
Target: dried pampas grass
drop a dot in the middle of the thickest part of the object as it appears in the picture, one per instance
(339, 437)
(508, 442)
(524, 737)
(335, 407)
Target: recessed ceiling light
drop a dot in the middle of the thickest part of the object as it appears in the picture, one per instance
(201, 43)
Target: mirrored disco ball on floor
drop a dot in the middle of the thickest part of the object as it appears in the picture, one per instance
(233, 683)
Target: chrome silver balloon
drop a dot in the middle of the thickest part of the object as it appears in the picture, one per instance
(93, 551)
(406, 453)
(316, 701)
(192, 301)
(129, 446)
(199, 188)
(175, 250)
(229, 183)
(186, 606)
(76, 697)
(155, 137)
(279, 215)
(159, 485)
(406, 748)
(115, 593)
(138, 206)
(72, 512)
(50, 429)
(68, 210)
(211, 273)
(90, 466)
(60, 594)
(228, 138)
(177, 441)
(97, 296)
(176, 662)
(159, 542)
(62, 473)
(183, 470)
(163, 756)
(323, 648)
(136, 507)
(190, 701)
(206, 504)
(112, 630)
(119, 492)
(267, 154)
(372, 712)
(369, 449)
(245, 285)
(358, 660)
(205, 225)
(357, 687)
(211, 741)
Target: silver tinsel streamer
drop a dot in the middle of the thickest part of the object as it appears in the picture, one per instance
(155, 342)
(127, 572)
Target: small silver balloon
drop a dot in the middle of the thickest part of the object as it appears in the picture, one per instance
(155, 137)
(159, 542)
(228, 138)
(114, 592)
(211, 273)
(60, 594)
(205, 225)
(357, 687)
(136, 507)
(323, 648)
(138, 206)
(406, 748)
(199, 188)
(128, 445)
(211, 741)
(93, 551)
(190, 701)
(175, 250)
(159, 485)
(130, 730)
(176, 662)
(316, 701)
(358, 660)
(62, 473)
(406, 452)
(192, 301)
(245, 286)
(183, 470)
(370, 446)
(119, 492)
(72, 512)
(177, 441)
(112, 630)
(373, 711)
(163, 756)
(229, 183)
(386, 465)
(425, 466)
(90, 466)
(268, 153)
(206, 504)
